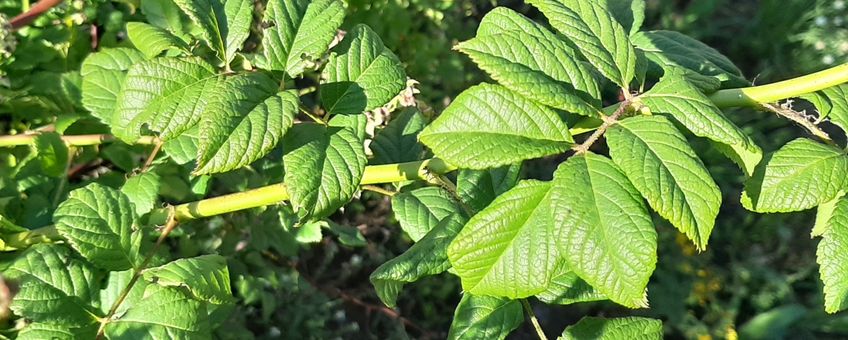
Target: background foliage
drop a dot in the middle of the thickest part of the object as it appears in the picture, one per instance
(758, 279)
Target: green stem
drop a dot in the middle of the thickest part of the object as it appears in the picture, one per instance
(75, 140)
(389, 173)
(276, 193)
(534, 320)
(754, 96)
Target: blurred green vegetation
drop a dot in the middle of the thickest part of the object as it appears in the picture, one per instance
(757, 280)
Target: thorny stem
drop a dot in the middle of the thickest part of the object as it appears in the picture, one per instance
(533, 319)
(800, 119)
(166, 230)
(607, 122)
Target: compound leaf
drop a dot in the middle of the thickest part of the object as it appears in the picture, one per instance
(420, 210)
(663, 167)
(300, 34)
(244, 122)
(485, 317)
(508, 249)
(833, 259)
(206, 277)
(97, 221)
(361, 74)
(801, 175)
(595, 33)
(103, 76)
(426, 257)
(324, 166)
(636, 328)
(489, 126)
(168, 95)
(604, 230)
(676, 98)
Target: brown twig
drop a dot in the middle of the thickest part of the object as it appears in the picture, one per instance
(608, 121)
(149, 161)
(800, 119)
(35, 11)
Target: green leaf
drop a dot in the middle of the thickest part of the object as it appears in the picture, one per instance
(165, 14)
(183, 149)
(168, 95)
(837, 98)
(142, 190)
(508, 249)
(420, 210)
(801, 175)
(531, 60)
(398, 141)
(324, 166)
(225, 26)
(833, 259)
(41, 331)
(671, 50)
(478, 188)
(97, 221)
(103, 76)
(676, 98)
(206, 277)
(361, 74)
(239, 18)
(604, 230)
(426, 257)
(55, 287)
(152, 40)
(659, 162)
(244, 122)
(824, 212)
(567, 288)
(629, 13)
(635, 328)
(594, 33)
(489, 126)
(161, 313)
(52, 153)
(485, 317)
(301, 33)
